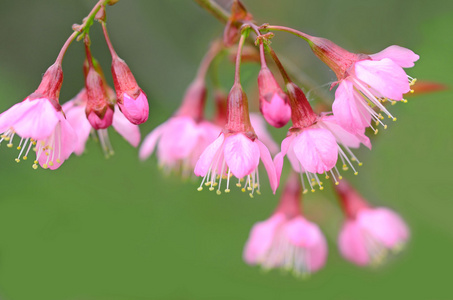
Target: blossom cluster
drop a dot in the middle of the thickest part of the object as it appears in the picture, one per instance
(227, 148)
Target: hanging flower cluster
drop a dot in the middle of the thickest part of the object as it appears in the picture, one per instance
(51, 131)
(227, 148)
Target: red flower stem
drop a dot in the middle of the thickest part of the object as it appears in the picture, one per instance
(214, 50)
(65, 47)
(107, 40)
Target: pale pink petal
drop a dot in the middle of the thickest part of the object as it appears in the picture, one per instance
(352, 244)
(261, 239)
(126, 129)
(241, 154)
(259, 125)
(384, 225)
(278, 159)
(268, 164)
(348, 112)
(150, 141)
(344, 137)
(75, 114)
(385, 76)
(403, 57)
(179, 139)
(38, 121)
(316, 149)
(208, 155)
(9, 117)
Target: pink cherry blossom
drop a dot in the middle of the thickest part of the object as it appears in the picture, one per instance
(370, 81)
(42, 127)
(372, 235)
(315, 150)
(75, 114)
(235, 155)
(136, 110)
(180, 142)
(287, 240)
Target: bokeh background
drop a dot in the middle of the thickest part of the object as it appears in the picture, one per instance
(118, 229)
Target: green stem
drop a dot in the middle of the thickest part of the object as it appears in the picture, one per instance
(215, 9)
(279, 65)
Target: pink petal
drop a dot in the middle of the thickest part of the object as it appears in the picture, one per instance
(348, 111)
(126, 129)
(9, 117)
(149, 143)
(385, 225)
(278, 159)
(268, 164)
(241, 154)
(276, 111)
(344, 137)
(208, 155)
(179, 139)
(352, 244)
(135, 110)
(316, 149)
(259, 125)
(38, 121)
(261, 239)
(403, 57)
(75, 115)
(384, 76)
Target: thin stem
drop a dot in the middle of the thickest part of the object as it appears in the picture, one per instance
(279, 65)
(290, 30)
(214, 50)
(107, 40)
(262, 56)
(237, 75)
(65, 47)
(214, 9)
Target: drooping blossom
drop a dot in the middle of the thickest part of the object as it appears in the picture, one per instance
(131, 99)
(40, 123)
(236, 152)
(314, 143)
(368, 234)
(287, 240)
(75, 114)
(365, 81)
(181, 140)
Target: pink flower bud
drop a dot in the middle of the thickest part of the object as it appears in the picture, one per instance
(99, 110)
(274, 104)
(132, 101)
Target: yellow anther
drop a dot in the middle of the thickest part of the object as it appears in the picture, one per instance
(327, 177)
(376, 131)
(224, 177)
(377, 123)
(251, 195)
(305, 191)
(340, 177)
(58, 161)
(34, 143)
(337, 183)
(47, 153)
(360, 164)
(353, 159)
(34, 149)
(211, 188)
(249, 188)
(17, 160)
(238, 184)
(356, 173)
(215, 184)
(312, 179)
(6, 138)
(35, 162)
(44, 166)
(207, 183)
(258, 192)
(321, 188)
(9, 145)
(218, 192)
(24, 158)
(35, 166)
(50, 163)
(200, 189)
(227, 190)
(256, 185)
(393, 102)
(19, 147)
(312, 190)
(243, 190)
(394, 119)
(385, 126)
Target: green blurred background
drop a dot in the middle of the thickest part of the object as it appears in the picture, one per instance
(118, 229)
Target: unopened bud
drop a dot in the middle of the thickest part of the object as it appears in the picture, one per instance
(99, 110)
